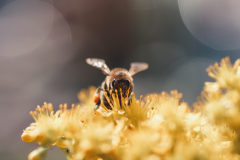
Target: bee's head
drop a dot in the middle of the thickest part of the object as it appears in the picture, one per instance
(122, 82)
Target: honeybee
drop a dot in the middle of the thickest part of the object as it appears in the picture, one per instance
(116, 79)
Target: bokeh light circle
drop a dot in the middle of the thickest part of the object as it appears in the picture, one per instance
(215, 23)
(24, 24)
(188, 77)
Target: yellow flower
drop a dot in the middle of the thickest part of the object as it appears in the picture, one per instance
(158, 127)
(137, 111)
(134, 111)
(226, 75)
(46, 130)
(97, 140)
(142, 145)
(85, 96)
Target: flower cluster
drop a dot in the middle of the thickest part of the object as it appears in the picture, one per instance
(158, 126)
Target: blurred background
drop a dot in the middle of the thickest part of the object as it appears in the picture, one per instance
(44, 44)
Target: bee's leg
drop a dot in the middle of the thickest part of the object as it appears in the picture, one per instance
(103, 95)
(96, 107)
(96, 99)
(96, 96)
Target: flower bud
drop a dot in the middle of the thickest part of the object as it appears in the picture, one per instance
(38, 154)
(26, 137)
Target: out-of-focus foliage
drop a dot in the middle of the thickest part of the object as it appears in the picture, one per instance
(158, 127)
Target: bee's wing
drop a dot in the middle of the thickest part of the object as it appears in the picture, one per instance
(98, 63)
(137, 67)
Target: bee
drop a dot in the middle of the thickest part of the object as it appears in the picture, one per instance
(117, 79)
